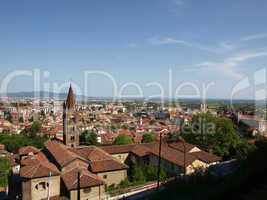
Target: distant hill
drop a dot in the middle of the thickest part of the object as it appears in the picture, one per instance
(41, 94)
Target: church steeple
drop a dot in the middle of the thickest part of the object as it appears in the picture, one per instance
(70, 131)
(70, 102)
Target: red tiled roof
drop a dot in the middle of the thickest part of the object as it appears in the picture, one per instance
(206, 157)
(34, 159)
(2, 147)
(99, 160)
(180, 146)
(87, 179)
(116, 149)
(140, 151)
(41, 169)
(28, 149)
(172, 153)
(60, 153)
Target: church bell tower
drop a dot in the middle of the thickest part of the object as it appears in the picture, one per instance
(70, 131)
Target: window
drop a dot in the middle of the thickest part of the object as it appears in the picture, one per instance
(41, 186)
(72, 138)
(105, 176)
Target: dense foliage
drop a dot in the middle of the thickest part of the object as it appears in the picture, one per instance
(148, 138)
(142, 174)
(139, 175)
(34, 130)
(214, 134)
(14, 142)
(247, 181)
(123, 140)
(4, 171)
(88, 138)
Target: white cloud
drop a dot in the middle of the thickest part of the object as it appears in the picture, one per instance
(229, 66)
(227, 45)
(219, 48)
(254, 37)
(167, 40)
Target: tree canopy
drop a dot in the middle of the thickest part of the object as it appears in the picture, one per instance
(123, 140)
(34, 130)
(14, 142)
(215, 134)
(148, 138)
(89, 137)
(4, 171)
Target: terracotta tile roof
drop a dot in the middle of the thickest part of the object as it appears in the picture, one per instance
(2, 147)
(34, 159)
(180, 146)
(99, 160)
(28, 149)
(60, 153)
(172, 153)
(87, 179)
(140, 151)
(116, 149)
(206, 157)
(41, 169)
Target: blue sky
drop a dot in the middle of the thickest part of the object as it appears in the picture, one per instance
(135, 41)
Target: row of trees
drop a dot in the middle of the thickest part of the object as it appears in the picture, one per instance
(89, 137)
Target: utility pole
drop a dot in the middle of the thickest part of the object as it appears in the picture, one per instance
(184, 146)
(78, 186)
(159, 159)
(48, 194)
(184, 157)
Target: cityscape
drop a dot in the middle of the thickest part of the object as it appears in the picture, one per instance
(153, 100)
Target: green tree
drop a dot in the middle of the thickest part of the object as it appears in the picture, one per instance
(14, 142)
(123, 140)
(4, 171)
(34, 130)
(148, 138)
(36, 127)
(89, 137)
(138, 174)
(124, 126)
(113, 127)
(215, 134)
